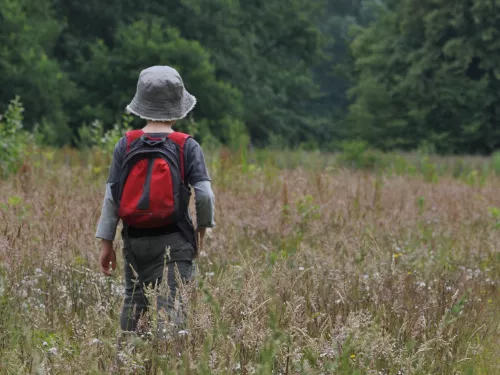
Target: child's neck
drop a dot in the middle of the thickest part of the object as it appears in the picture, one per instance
(158, 127)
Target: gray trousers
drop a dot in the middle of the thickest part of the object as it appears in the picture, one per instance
(148, 257)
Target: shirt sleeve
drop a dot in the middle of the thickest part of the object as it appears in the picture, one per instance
(199, 179)
(196, 168)
(116, 164)
(205, 204)
(108, 222)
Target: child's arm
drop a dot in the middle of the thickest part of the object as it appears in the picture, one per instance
(205, 208)
(199, 179)
(108, 222)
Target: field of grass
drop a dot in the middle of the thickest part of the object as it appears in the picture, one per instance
(311, 270)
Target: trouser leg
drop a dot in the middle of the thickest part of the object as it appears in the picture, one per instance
(170, 300)
(150, 261)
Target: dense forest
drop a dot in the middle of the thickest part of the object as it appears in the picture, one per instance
(397, 74)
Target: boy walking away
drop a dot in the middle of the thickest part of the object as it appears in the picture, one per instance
(149, 189)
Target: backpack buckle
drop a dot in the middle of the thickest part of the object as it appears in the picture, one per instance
(152, 142)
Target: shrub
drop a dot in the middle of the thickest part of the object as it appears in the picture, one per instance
(358, 155)
(94, 135)
(12, 138)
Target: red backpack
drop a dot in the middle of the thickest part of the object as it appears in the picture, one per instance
(152, 189)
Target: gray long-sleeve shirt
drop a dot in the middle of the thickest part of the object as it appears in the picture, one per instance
(197, 176)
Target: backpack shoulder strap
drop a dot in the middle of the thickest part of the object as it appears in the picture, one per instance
(180, 139)
(133, 135)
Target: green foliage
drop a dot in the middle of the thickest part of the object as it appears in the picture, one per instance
(297, 222)
(358, 155)
(112, 136)
(95, 135)
(147, 43)
(495, 215)
(398, 75)
(429, 169)
(421, 205)
(28, 33)
(248, 63)
(474, 172)
(12, 138)
(268, 52)
(426, 72)
(237, 135)
(495, 162)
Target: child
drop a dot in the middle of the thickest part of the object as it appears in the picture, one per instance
(148, 189)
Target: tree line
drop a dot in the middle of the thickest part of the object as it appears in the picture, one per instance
(395, 74)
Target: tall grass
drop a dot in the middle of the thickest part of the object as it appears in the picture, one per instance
(318, 270)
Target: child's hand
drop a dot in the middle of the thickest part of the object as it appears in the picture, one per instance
(107, 256)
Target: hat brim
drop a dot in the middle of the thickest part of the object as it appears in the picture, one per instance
(154, 113)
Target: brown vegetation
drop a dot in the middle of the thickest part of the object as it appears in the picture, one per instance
(307, 272)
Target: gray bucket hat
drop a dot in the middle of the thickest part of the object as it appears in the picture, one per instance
(161, 95)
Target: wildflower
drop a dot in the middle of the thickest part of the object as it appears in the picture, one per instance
(490, 300)
(53, 351)
(353, 356)
(397, 255)
(301, 268)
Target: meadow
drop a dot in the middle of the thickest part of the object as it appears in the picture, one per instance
(318, 265)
